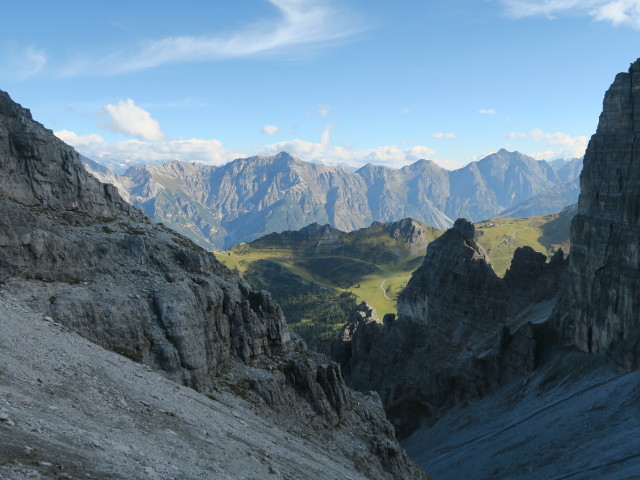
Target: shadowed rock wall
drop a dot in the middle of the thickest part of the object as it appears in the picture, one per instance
(600, 310)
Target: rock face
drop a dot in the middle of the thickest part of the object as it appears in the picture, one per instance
(218, 207)
(454, 263)
(358, 337)
(410, 232)
(600, 309)
(461, 332)
(33, 178)
(73, 250)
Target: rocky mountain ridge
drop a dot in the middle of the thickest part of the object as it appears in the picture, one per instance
(72, 250)
(392, 240)
(221, 206)
(474, 329)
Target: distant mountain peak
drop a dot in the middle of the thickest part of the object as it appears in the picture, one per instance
(219, 207)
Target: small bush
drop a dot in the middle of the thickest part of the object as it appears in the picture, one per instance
(129, 353)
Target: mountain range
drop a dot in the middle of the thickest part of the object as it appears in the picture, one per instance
(218, 207)
(127, 351)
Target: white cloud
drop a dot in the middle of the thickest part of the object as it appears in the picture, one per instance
(302, 23)
(269, 130)
(405, 110)
(527, 8)
(443, 135)
(618, 12)
(487, 111)
(325, 138)
(124, 153)
(126, 117)
(323, 110)
(79, 141)
(391, 156)
(572, 146)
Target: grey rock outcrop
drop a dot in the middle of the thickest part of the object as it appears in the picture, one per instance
(74, 250)
(600, 309)
(41, 171)
(461, 332)
(357, 338)
(409, 232)
(560, 393)
(455, 290)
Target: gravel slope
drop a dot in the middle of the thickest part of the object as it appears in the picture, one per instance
(70, 409)
(574, 419)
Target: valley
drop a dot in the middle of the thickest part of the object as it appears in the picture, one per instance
(319, 274)
(380, 323)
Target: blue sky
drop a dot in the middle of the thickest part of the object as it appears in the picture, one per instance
(339, 82)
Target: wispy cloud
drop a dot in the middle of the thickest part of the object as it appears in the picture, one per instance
(487, 111)
(119, 155)
(302, 23)
(25, 63)
(127, 118)
(269, 130)
(572, 146)
(325, 138)
(323, 110)
(443, 135)
(617, 12)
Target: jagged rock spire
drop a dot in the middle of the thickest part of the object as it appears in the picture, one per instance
(600, 309)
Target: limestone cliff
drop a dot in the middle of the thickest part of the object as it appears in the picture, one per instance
(600, 309)
(73, 250)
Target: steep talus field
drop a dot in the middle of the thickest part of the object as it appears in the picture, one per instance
(70, 409)
(218, 207)
(73, 252)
